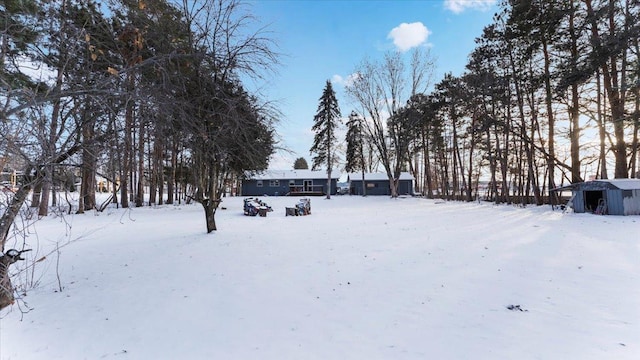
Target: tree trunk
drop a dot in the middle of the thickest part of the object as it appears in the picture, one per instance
(6, 288)
(209, 214)
(551, 157)
(614, 92)
(35, 196)
(140, 151)
(158, 169)
(171, 180)
(127, 151)
(427, 166)
(470, 171)
(393, 187)
(634, 143)
(89, 164)
(503, 155)
(43, 208)
(601, 129)
(635, 147)
(531, 155)
(363, 163)
(49, 146)
(493, 185)
(11, 212)
(574, 105)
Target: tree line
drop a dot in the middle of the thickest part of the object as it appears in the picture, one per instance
(550, 95)
(148, 94)
(151, 95)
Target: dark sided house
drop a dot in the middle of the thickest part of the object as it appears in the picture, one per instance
(288, 182)
(378, 184)
(612, 197)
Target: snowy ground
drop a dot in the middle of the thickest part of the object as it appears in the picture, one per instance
(360, 278)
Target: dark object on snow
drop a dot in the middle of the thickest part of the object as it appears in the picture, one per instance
(515, 308)
(6, 289)
(303, 207)
(253, 207)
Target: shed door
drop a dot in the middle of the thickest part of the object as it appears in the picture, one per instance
(592, 198)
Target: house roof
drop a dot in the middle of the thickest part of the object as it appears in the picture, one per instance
(292, 175)
(377, 176)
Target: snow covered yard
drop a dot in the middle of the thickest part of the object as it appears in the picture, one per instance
(360, 278)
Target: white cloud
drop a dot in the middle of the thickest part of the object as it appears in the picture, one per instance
(339, 80)
(406, 36)
(458, 6)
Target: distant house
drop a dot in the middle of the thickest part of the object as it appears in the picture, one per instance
(378, 184)
(288, 182)
(613, 197)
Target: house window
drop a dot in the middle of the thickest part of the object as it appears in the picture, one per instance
(274, 183)
(292, 182)
(259, 183)
(371, 185)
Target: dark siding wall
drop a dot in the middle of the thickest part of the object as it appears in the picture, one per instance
(373, 187)
(381, 187)
(251, 188)
(578, 201)
(355, 187)
(405, 187)
(614, 202)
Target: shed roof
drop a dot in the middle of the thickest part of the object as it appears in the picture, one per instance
(377, 176)
(622, 184)
(291, 175)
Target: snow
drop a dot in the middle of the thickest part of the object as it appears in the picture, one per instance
(359, 278)
(623, 184)
(299, 174)
(378, 176)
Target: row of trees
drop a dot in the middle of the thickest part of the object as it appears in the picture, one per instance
(148, 94)
(545, 76)
(145, 93)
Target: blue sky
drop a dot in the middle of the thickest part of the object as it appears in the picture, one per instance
(326, 40)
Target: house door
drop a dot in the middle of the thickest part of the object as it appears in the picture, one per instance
(308, 185)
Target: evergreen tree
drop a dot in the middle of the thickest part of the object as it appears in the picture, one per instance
(355, 147)
(18, 33)
(355, 151)
(326, 121)
(300, 164)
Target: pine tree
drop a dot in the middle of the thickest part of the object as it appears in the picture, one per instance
(300, 164)
(354, 157)
(355, 147)
(326, 121)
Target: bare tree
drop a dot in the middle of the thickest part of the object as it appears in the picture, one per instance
(231, 131)
(380, 89)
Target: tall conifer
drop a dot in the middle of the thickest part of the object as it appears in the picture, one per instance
(326, 121)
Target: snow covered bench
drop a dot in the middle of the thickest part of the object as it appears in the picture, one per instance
(303, 207)
(253, 207)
